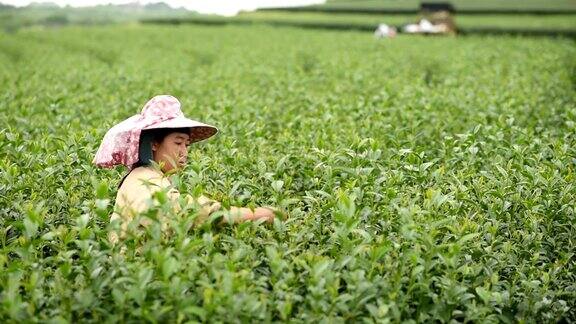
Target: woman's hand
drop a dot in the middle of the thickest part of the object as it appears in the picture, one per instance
(266, 213)
(243, 214)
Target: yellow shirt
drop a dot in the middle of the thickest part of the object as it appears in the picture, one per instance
(135, 194)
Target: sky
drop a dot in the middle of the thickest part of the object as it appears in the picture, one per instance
(220, 7)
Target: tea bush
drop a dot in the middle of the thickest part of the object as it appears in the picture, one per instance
(425, 179)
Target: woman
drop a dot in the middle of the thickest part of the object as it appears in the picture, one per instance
(154, 144)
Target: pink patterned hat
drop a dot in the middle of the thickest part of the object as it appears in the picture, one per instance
(121, 142)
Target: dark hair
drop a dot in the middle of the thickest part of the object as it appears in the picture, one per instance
(147, 138)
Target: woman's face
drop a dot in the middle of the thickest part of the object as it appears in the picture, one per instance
(172, 152)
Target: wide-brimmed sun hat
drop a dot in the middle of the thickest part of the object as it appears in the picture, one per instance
(120, 144)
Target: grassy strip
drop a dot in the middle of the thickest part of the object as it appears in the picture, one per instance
(542, 6)
(335, 25)
(464, 21)
(398, 11)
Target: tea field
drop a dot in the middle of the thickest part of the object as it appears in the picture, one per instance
(424, 178)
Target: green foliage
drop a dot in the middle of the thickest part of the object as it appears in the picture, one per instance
(12, 19)
(426, 179)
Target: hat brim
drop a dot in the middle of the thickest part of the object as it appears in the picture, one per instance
(198, 131)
